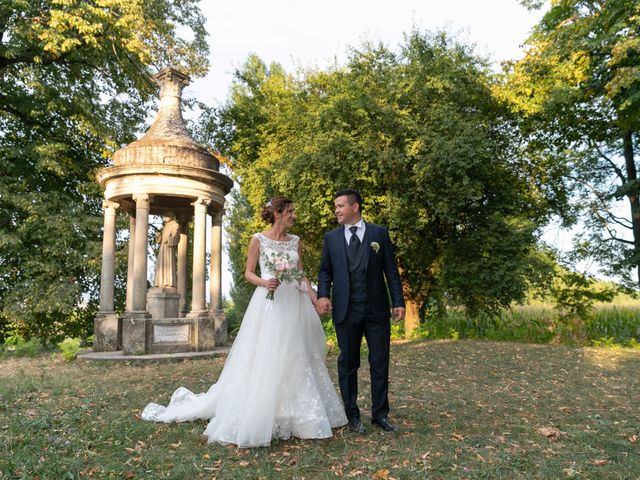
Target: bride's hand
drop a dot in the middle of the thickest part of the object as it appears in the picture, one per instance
(272, 284)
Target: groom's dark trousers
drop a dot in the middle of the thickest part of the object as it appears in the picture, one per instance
(360, 301)
(358, 322)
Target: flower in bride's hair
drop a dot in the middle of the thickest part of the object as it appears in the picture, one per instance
(268, 204)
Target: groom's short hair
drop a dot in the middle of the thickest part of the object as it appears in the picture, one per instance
(353, 195)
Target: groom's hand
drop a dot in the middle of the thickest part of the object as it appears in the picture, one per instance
(398, 313)
(323, 306)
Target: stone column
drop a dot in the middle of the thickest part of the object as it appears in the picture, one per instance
(215, 269)
(203, 333)
(134, 323)
(132, 243)
(183, 247)
(107, 276)
(139, 293)
(106, 321)
(215, 281)
(199, 255)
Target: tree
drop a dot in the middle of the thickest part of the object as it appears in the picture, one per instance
(421, 135)
(74, 87)
(578, 89)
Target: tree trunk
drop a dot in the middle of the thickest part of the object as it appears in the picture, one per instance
(634, 200)
(412, 317)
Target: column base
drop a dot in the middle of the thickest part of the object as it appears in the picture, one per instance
(203, 331)
(134, 332)
(220, 327)
(105, 332)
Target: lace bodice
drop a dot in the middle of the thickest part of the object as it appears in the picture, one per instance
(274, 254)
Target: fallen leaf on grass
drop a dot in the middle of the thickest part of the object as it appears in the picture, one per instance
(632, 438)
(176, 445)
(382, 474)
(600, 461)
(552, 433)
(456, 437)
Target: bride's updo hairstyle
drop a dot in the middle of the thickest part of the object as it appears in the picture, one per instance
(276, 204)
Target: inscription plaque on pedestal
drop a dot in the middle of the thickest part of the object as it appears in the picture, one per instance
(170, 333)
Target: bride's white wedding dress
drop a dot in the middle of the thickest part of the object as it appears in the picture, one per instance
(275, 383)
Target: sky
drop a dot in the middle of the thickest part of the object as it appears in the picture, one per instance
(299, 34)
(296, 33)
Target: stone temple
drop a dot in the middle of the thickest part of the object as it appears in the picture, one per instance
(164, 173)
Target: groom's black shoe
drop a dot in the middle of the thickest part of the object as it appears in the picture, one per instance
(385, 424)
(356, 426)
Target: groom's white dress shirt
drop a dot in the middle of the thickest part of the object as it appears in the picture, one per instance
(359, 232)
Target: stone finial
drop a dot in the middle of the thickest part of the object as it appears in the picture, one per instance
(171, 82)
(169, 122)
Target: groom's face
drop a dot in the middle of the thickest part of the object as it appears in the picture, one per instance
(346, 213)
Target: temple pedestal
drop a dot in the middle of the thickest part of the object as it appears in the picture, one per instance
(162, 302)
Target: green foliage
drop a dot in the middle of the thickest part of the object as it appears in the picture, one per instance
(69, 348)
(622, 323)
(421, 135)
(239, 231)
(232, 315)
(329, 331)
(575, 294)
(577, 90)
(16, 345)
(541, 323)
(74, 87)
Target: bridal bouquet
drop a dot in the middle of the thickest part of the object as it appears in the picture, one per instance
(284, 268)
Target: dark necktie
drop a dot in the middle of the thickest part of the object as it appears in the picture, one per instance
(354, 242)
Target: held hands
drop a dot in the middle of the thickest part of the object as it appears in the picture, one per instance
(398, 313)
(323, 306)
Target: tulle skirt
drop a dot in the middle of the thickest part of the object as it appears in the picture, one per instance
(275, 382)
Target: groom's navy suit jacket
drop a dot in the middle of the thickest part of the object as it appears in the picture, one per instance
(334, 272)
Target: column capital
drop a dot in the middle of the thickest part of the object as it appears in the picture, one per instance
(201, 203)
(216, 218)
(141, 199)
(109, 205)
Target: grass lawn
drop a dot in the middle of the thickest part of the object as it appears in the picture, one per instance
(467, 409)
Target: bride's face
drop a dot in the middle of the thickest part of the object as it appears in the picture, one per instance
(287, 218)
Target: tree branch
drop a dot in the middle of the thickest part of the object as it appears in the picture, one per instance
(615, 168)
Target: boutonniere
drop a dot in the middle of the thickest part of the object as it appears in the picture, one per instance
(375, 246)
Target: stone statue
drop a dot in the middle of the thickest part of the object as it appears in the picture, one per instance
(168, 238)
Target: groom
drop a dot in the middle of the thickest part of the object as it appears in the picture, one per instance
(357, 257)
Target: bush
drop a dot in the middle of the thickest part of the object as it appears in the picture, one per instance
(69, 348)
(18, 346)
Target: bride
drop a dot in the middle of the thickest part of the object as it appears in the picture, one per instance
(274, 383)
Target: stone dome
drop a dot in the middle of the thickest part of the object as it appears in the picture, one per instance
(166, 162)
